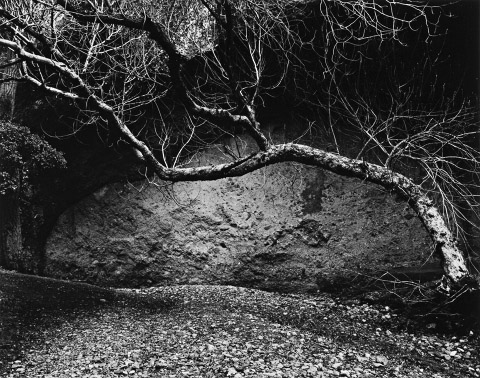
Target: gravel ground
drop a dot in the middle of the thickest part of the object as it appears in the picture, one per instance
(52, 329)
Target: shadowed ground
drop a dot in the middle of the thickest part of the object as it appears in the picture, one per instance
(53, 328)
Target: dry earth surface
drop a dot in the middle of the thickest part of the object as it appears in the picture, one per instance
(51, 328)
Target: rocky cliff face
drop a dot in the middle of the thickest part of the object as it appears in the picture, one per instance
(285, 227)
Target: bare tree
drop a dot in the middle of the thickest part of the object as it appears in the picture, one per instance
(123, 62)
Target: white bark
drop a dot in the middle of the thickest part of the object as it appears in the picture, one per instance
(453, 259)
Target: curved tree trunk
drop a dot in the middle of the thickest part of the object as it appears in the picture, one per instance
(73, 85)
(454, 262)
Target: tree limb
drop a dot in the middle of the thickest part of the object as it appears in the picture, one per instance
(176, 63)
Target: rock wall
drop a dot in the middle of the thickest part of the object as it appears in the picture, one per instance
(284, 227)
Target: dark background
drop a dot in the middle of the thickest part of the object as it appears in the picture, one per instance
(462, 45)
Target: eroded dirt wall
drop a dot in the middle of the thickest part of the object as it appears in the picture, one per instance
(283, 227)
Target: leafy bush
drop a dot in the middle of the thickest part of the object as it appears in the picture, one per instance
(23, 156)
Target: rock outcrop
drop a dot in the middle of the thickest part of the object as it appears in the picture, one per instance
(285, 227)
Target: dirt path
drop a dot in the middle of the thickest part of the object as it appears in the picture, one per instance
(52, 328)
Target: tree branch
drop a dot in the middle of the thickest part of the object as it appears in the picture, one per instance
(453, 260)
(29, 31)
(176, 63)
(123, 76)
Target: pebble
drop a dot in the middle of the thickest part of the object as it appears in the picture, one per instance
(336, 365)
(381, 360)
